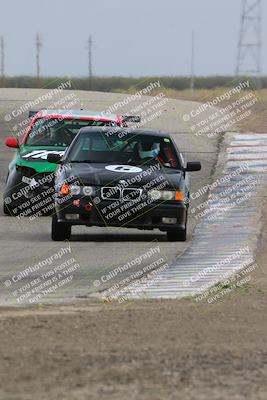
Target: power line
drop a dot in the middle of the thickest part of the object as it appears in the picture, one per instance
(90, 56)
(192, 82)
(2, 45)
(250, 40)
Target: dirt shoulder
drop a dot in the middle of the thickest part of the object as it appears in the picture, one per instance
(140, 350)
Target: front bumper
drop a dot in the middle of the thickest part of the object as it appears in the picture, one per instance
(147, 218)
(26, 199)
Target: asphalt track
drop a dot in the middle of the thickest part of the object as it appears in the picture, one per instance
(97, 251)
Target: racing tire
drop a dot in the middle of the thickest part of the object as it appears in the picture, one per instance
(176, 235)
(60, 230)
(7, 211)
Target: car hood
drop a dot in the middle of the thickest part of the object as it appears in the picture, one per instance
(36, 157)
(111, 175)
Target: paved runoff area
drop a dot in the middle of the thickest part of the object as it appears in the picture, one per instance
(226, 239)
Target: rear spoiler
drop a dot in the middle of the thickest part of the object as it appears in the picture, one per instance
(32, 113)
(131, 118)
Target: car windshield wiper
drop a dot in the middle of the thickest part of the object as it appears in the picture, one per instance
(80, 161)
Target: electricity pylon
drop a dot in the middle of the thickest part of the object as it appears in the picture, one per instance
(250, 40)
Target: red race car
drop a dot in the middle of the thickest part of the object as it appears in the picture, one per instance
(49, 132)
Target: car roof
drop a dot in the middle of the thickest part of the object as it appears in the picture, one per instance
(77, 114)
(118, 130)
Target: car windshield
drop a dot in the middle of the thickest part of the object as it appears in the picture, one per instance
(133, 149)
(59, 132)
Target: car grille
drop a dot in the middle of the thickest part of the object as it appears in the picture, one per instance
(116, 193)
(110, 193)
(45, 179)
(131, 194)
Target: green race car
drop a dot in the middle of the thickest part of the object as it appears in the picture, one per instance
(29, 183)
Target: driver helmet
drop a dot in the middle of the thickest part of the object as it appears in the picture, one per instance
(57, 132)
(148, 150)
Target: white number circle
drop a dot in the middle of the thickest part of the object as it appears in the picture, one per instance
(123, 168)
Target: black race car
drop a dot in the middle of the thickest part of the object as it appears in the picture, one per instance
(123, 178)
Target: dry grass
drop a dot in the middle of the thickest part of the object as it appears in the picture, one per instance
(257, 122)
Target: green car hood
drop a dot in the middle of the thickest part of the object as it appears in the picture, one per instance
(36, 157)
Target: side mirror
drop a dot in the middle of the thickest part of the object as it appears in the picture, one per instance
(193, 166)
(54, 158)
(12, 142)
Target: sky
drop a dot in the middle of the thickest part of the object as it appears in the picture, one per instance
(130, 38)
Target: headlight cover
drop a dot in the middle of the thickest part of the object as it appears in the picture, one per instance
(154, 194)
(88, 190)
(84, 190)
(166, 195)
(75, 190)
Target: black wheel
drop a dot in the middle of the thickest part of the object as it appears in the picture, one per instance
(176, 235)
(47, 213)
(7, 210)
(60, 230)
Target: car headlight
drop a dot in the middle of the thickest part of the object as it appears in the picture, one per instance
(166, 195)
(88, 190)
(154, 194)
(75, 190)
